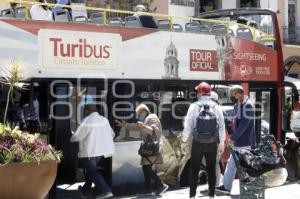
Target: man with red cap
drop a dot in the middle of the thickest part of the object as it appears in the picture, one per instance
(205, 123)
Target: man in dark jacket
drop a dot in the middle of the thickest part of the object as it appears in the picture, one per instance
(243, 135)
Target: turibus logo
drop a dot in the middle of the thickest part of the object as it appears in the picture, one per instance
(62, 49)
(79, 49)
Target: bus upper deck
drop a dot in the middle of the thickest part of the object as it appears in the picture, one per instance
(78, 13)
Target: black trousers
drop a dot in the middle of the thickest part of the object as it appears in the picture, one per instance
(209, 151)
(150, 175)
(32, 126)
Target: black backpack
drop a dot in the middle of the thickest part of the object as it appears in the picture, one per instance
(207, 128)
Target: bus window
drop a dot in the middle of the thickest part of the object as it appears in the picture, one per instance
(252, 96)
(265, 111)
(223, 93)
(80, 97)
(126, 97)
(265, 118)
(266, 24)
(168, 101)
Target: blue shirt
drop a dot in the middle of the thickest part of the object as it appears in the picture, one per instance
(244, 129)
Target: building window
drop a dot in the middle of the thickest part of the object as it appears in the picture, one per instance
(208, 5)
(187, 3)
(292, 13)
(249, 4)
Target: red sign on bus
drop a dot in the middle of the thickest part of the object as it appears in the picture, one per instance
(203, 60)
(252, 61)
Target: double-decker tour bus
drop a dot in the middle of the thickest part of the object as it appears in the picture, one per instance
(118, 64)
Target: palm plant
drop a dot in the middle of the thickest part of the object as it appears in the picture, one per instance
(15, 145)
(13, 77)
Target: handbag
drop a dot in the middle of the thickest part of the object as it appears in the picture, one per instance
(149, 146)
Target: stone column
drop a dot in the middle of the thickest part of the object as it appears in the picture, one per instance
(197, 7)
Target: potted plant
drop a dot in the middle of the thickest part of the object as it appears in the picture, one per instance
(28, 165)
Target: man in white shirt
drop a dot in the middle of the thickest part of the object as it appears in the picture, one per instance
(41, 12)
(95, 137)
(205, 123)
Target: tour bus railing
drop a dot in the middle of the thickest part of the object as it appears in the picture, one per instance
(106, 12)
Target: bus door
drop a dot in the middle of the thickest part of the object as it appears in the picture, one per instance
(265, 110)
(67, 112)
(169, 100)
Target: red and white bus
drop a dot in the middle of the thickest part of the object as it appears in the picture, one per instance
(118, 67)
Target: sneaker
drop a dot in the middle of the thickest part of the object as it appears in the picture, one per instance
(162, 189)
(83, 194)
(105, 195)
(204, 191)
(147, 195)
(223, 190)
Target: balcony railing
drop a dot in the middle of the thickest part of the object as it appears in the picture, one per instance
(291, 35)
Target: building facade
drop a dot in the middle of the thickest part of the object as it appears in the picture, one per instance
(290, 23)
(175, 7)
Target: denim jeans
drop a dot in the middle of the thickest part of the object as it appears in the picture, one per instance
(230, 170)
(218, 170)
(92, 175)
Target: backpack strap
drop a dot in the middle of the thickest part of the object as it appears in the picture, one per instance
(154, 134)
(213, 106)
(199, 104)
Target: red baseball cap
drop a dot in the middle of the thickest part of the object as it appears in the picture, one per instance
(203, 88)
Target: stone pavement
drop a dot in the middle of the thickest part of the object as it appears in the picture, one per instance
(287, 191)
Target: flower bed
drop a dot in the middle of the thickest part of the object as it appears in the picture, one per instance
(18, 146)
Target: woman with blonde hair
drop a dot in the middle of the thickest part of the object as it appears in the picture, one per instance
(149, 125)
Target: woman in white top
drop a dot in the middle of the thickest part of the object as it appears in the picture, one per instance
(41, 12)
